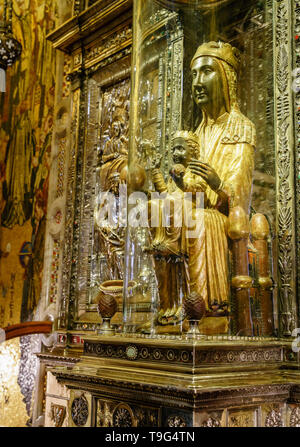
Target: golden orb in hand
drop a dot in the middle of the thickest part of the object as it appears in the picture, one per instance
(135, 178)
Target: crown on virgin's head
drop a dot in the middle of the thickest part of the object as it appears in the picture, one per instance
(220, 50)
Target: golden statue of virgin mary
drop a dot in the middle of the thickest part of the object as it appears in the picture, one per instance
(227, 142)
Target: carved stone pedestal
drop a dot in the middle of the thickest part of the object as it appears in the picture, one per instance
(167, 382)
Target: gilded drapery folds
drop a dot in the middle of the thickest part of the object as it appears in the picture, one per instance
(227, 139)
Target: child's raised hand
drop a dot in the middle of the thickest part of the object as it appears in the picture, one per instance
(156, 161)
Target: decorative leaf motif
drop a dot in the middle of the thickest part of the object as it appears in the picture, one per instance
(282, 73)
(285, 210)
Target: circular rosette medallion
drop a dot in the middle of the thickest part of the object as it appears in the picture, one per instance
(123, 416)
(131, 352)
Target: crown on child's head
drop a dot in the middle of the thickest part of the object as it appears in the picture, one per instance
(185, 135)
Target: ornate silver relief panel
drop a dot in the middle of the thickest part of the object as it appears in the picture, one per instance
(284, 143)
(296, 90)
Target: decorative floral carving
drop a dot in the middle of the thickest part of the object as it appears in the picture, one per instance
(295, 417)
(141, 417)
(122, 417)
(241, 419)
(237, 356)
(274, 419)
(109, 44)
(297, 124)
(176, 355)
(112, 414)
(211, 422)
(104, 414)
(80, 411)
(69, 219)
(176, 421)
(285, 218)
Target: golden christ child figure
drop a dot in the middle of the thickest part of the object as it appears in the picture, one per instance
(169, 216)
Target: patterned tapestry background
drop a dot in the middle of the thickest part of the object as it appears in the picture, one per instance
(25, 155)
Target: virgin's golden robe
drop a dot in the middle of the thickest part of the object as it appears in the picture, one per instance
(228, 147)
